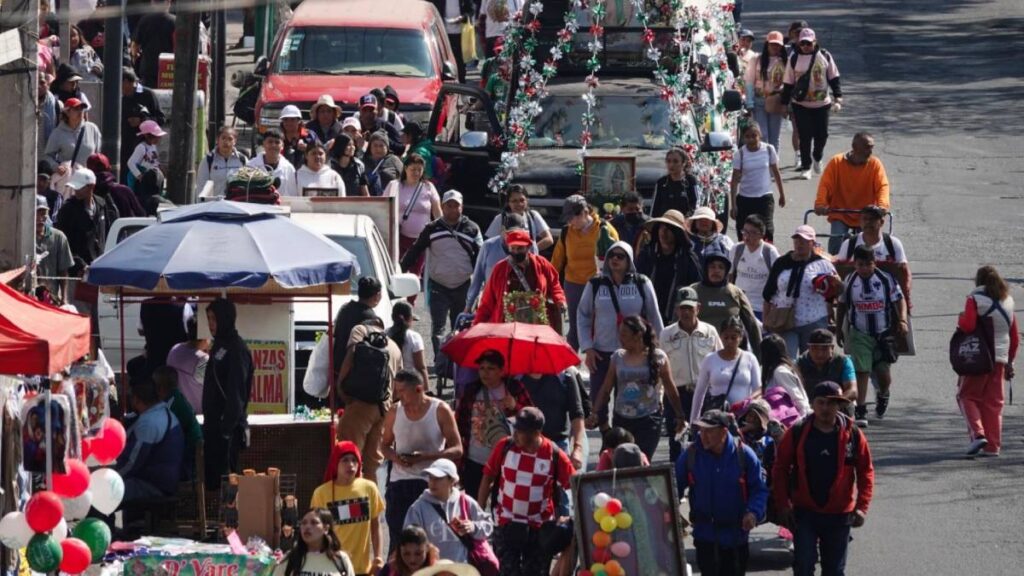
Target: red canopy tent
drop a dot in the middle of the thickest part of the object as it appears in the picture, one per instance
(36, 338)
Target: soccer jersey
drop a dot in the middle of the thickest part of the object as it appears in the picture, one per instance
(882, 253)
(866, 301)
(525, 481)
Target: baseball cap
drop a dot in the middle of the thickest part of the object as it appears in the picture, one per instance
(442, 468)
(573, 206)
(828, 390)
(513, 221)
(714, 419)
(776, 37)
(290, 111)
(452, 195)
(805, 231)
(353, 122)
(746, 33)
(150, 128)
(75, 103)
(81, 178)
(98, 162)
(518, 238)
(44, 169)
(529, 419)
(687, 296)
(368, 101)
(821, 337)
(807, 35)
(41, 203)
(627, 455)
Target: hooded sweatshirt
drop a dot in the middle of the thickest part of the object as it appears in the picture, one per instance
(229, 374)
(597, 318)
(669, 272)
(61, 145)
(722, 300)
(424, 512)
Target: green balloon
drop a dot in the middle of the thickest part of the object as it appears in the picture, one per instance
(44, 554)
(96, 535)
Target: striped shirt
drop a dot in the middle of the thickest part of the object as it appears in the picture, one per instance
(866, 301)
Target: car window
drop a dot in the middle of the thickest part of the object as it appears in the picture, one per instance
(385, 255)
(128, 231)
(620, 121)
(359, 248)
(461, 114)
(342, 50)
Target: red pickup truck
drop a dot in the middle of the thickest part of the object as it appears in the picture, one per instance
(348, 48)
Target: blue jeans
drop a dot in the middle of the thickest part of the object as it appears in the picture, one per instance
(770, 124)
(597, 377)
(836, 235)
(830, 533)
(573, 293)
(797, 338)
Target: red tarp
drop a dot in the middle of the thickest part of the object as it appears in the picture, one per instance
(36, 338)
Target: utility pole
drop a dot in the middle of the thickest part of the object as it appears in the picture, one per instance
(113, 64)
(181, 181)
(19, 97)
(217, 79)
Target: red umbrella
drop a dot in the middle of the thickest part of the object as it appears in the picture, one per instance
(527, 348)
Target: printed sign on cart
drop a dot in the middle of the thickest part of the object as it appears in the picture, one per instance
(270, 387)
(198, 565)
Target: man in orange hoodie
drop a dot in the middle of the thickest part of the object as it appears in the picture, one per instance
(851, 181)
(822, 482)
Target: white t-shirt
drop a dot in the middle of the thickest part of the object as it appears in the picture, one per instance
(284, 171)
(413, 344)
(867, 307)
(810, 306)
(715, 374)
(535, 223)
(752, 271)
(451, 10)
(492, 28)
(757, 177)
(325, 178)
(881, 251)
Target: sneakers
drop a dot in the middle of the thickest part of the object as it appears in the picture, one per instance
(817, 166)
(797, 164)
(881, 405)
(860, 416)
(989, 453)
(805, 175)
(976, 446)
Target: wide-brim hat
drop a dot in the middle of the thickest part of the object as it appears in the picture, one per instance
(706, 213)
(325, 100)
(673, 218)
(441, 566)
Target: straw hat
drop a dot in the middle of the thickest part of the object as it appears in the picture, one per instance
(671, 217)
(706, 213)
(447, 566)
(325, 100)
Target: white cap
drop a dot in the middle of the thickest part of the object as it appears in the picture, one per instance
(443, 468)
(81, 178)
(352, 121)
(452, 195)
(290, 111)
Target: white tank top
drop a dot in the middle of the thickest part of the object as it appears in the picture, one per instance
(423, 435)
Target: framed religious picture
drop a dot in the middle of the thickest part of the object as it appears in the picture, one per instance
(608, 176)
(633, 513)
(312, 192)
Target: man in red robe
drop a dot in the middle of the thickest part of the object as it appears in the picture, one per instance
(522, 287)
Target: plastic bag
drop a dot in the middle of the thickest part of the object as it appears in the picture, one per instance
(468, 42)
(317, 380)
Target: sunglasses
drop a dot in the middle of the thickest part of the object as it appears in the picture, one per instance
(806, 43)
(617, 256)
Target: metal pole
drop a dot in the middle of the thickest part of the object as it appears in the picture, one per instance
(49, 438)
(112, 66)
(183, 112)
(219, 66)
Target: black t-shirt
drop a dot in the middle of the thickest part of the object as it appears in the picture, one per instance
(821, 454)
(154, 35)
(559, 400)
(671, 194)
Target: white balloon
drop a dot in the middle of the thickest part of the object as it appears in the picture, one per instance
(60, 531)
(600, 499)
(107, 489)
(77, 508)
(15, 531)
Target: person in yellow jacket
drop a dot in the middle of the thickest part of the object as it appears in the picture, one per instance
(584, 239)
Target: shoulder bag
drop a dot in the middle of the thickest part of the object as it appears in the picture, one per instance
(973, 353)
(721, 401)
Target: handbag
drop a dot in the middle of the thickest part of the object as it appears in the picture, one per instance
(478, 552)
(316, 382)
(721, 401)
(773, 104)
(780, 319)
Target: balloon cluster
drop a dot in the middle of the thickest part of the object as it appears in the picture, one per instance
(610, 516)
(43, 527)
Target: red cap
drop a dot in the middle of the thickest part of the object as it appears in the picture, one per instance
(74, 103)
(518, 238)
(339, 450)
(98, 163)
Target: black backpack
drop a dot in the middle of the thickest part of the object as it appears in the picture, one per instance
(370, 378)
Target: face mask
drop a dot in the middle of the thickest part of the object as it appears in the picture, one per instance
(635, 218)
(518, 257)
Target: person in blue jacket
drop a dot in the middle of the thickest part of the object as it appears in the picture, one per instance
(727, 491)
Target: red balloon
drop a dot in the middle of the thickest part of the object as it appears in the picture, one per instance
(75, 482)
(86, 448)
(585, 573)
(601, 555)
(614, 506)
(44, 511)
(110, 443)
(77, 556)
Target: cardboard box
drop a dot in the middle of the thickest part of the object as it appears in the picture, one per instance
(259, 507)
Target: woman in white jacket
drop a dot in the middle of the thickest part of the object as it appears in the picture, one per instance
(446, 513)
(316, 173)
(777, 369)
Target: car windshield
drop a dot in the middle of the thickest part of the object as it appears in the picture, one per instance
(359, 248)
(620, 121)
(342, 51)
